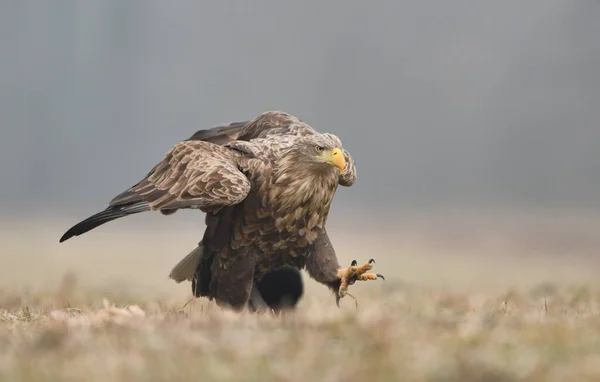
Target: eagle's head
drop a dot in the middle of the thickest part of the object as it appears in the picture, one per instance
(309, 171)
(320, 152)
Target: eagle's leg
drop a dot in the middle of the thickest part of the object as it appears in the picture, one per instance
(322, 265)
(353, 273)
(232, 279)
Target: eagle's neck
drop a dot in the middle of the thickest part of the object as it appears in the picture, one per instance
(298, 184)
(292, 202)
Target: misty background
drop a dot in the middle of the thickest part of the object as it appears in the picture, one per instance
(441, 103)
(445, 106)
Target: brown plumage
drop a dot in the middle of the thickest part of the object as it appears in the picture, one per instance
(266, 187)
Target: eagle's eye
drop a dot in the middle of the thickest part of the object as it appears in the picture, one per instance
(320, 148)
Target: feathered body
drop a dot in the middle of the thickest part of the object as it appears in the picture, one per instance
(266, 186)
(287, 206)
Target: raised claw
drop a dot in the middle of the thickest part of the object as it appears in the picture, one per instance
(348, 276)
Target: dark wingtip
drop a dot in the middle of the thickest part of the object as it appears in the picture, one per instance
(73, 231)
(102, 217)
(67, 235)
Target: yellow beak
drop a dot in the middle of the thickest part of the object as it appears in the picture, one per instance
(335, 157)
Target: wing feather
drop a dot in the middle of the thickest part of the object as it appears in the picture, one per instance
(267, 124)
(348, 177)
(194, 174)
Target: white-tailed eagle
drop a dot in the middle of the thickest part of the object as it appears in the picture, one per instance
(266, 186)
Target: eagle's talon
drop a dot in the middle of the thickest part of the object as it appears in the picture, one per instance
(348, 276)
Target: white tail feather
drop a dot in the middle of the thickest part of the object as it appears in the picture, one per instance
(186, 268)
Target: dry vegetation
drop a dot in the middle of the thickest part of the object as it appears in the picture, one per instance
(80, 326)
(545, 334)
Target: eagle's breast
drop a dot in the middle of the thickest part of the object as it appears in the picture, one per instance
(283, 218)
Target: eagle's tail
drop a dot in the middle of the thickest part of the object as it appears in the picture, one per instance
(111, 213)
(186, 268)
(196, 267)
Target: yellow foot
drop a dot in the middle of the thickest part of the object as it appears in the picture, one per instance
(350, 275)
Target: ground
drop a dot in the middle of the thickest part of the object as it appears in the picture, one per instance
(103, 309)
(544, 334)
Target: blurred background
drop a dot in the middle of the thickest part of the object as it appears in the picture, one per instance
(474, 127)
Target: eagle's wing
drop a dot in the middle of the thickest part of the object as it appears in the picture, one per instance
(267, 124)
(348, 177)
(193, 174)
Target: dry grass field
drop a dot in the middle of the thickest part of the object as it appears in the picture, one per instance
(502, 299)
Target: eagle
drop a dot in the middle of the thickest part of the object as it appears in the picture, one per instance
(266, 186)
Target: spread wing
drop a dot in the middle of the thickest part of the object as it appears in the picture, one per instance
(193, 174)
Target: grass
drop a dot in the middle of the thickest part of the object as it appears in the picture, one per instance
(398, 333)
(461, 302)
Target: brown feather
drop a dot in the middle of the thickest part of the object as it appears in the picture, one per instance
(194, 174)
